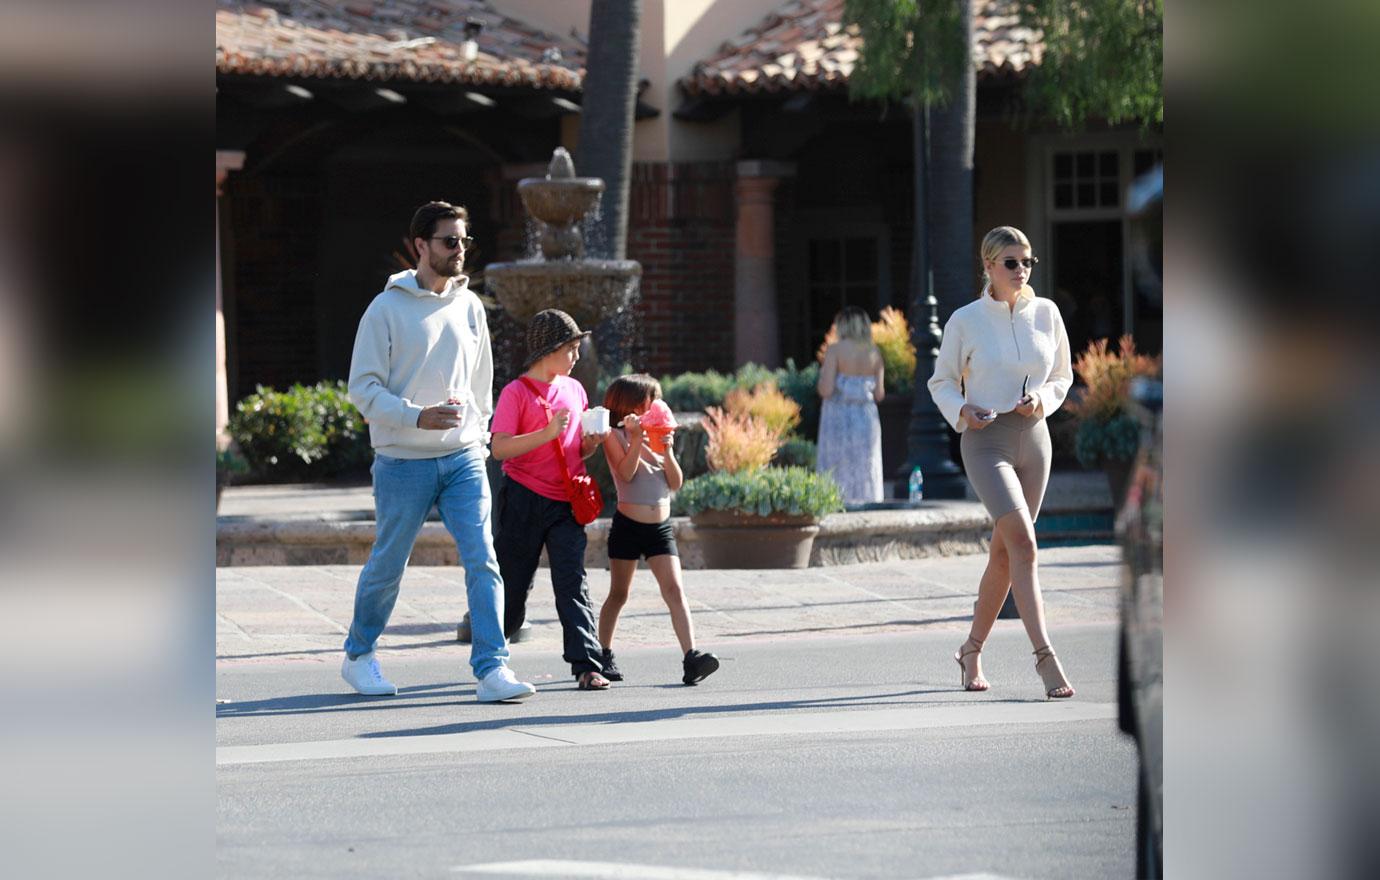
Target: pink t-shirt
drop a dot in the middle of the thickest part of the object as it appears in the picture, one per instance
(519, 413)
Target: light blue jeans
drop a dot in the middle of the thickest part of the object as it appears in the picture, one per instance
(405, 489)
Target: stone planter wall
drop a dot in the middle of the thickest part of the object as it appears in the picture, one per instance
(939, 529)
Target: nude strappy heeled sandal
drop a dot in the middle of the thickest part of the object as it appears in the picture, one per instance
(1052, 674)
(976, 682)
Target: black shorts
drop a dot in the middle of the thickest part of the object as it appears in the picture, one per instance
(630, 539)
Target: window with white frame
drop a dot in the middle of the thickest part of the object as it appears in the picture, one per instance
(1084, 237)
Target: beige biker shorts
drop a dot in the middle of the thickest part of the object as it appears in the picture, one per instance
(1008, 463)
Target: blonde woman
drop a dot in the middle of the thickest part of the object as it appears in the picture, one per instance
(850, 434)
(1003, 367)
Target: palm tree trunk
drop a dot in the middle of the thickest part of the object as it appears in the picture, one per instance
(606, 120)
(921, 263)
(951, 190)
(927, 436)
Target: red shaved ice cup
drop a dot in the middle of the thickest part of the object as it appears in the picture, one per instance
(658, 422)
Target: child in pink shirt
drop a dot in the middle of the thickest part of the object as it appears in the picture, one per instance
(532, 507)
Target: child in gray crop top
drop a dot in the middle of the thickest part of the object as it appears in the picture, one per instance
(648, 484)
(643, 462)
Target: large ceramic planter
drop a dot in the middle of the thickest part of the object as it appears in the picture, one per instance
(729, 539)
(1118, 481)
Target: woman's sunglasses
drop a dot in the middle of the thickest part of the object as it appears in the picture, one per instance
(1011, 263)
(452, 241)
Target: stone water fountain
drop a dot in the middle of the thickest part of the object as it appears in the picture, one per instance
(561, 278)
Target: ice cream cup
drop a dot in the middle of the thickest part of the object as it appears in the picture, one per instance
(594, 420)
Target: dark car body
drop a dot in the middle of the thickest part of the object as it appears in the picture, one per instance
(1140, 527)
(1140, 530)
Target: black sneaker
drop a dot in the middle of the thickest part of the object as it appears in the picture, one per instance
(699, 665)
(611, 671)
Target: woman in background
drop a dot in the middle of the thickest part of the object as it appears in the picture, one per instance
(850, 433)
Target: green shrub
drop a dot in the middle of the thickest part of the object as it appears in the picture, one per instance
(694, 392)
(796, 452)
(794, 491)
(303, 433)
(750, 375)
(347, 434)
(799, 385)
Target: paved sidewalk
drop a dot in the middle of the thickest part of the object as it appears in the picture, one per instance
(270, 614)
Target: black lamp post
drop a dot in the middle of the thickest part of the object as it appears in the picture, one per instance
(927, 438)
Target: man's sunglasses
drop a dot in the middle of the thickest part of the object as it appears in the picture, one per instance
(453, 241)
(1011, 263)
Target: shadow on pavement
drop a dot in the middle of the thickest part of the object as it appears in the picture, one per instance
(848, 626)
(859, 701)
(337, 650)
(310, 704)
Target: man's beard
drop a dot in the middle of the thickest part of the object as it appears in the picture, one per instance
(442, 267)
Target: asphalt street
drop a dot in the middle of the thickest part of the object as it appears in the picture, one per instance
(811, 756)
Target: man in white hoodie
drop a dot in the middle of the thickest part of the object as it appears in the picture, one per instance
(422, 375)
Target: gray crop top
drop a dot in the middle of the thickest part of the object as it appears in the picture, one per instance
(648, 485)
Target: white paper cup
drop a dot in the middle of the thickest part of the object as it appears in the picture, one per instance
(594, 421)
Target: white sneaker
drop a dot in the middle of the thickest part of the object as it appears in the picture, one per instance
(501, 684)
(363, 674)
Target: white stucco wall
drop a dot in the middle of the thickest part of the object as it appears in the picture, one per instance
(675, 35)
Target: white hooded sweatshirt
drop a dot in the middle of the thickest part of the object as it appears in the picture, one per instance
(413, 346)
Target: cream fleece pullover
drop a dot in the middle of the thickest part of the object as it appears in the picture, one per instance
(990, 349)
(414, 345)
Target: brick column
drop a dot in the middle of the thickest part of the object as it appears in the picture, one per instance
(226, 161)
(756, 325)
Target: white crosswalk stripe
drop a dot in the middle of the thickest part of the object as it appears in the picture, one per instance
(582, 870)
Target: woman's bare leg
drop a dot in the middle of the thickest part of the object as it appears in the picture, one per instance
(992, 589)
(666, 568)
(1018, 534)
(1018, 537)
(620, 583)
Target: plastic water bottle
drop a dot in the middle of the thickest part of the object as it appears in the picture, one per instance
(917, 485)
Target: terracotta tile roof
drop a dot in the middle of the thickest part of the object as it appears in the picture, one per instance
(803, 46)
(366, 40)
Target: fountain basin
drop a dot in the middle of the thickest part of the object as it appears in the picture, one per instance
(587, 290)
(560, 201)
